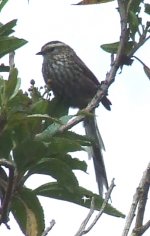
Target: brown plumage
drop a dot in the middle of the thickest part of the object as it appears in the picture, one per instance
(73, 83)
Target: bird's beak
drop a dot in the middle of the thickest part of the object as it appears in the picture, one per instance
(39, 53)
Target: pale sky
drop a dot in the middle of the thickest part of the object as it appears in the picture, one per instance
(125, 130)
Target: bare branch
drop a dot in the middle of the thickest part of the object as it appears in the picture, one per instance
(140, 197)
(82, 229)
(48, 229)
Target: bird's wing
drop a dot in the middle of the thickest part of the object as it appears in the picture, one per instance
(86, 71)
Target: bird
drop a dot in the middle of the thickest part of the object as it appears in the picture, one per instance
(74, 84)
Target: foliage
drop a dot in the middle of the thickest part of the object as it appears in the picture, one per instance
(31, 141)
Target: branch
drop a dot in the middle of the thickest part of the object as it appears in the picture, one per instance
(48, 229)
(140, 197)
(82, 229)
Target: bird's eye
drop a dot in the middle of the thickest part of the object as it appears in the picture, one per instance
(49, 50)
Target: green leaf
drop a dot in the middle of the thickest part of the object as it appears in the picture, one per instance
(57, 108)
(113, 47)
(135, 6)
(61, 145)
(28, 212)
(6, 29)
(2, 4)
(147, 8)
(9, 44)
(12, 85)
(73, 163)
(4, 68)
(52, 129)
(28, 153)
(57, 169)
(133, 22)
(81, 196)
(147, 71)
(5, 143)
(87, 2)
(40, 107)
(83, 140)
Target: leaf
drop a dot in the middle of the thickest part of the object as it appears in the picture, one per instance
(83, 140)
(2, 4)
(73, 163)
(85, 2)
(147, 8)
(5, 144)
(12, 85)
(6, 29)
(4, 68)
(62, 145)
(147, 71)
(28, 212)
(133, 22)
(57, 169)
(9, 44)
(113, 47)
(81, 196)
(52, 129)
(57, 108)
(135, 6)
(28, 153)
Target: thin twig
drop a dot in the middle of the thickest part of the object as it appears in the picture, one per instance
(84, 223)
(11, 60)
(48, 229)
(82, 229)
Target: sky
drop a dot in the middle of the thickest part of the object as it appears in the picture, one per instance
(125, 130)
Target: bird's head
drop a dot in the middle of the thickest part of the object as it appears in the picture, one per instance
(54, 48)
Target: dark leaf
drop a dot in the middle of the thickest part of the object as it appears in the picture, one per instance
(2, 4)
(5, 143)
(4, 68)
(6, 29)
(81, 197)
(85, 2)
(57, 169)
(12, 85)
(62, 145)
(28, 212)
(133, 22)
(83, 140)
(73, 163)
(28, 153)
(147, 71)
(147, 8)
(57, 108)
(9, 44)
(135, 6)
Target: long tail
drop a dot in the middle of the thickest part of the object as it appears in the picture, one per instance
(92, 131)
